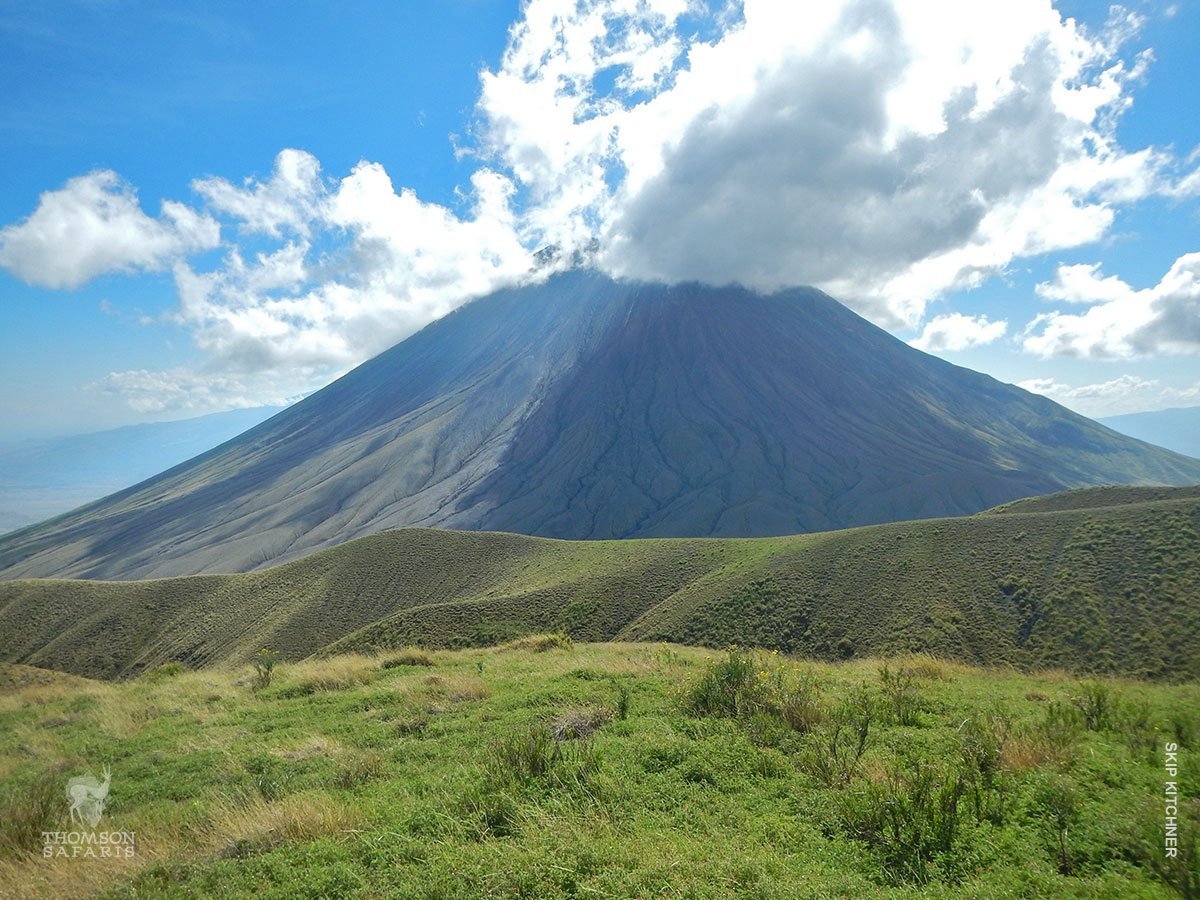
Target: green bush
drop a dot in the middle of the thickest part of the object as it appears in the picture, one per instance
(1058, 805)
(834, 751)
(166, 670)
(982, 740)
(1095, 702)
(728, 687)
(902, 698)
(742, 685)
(622, 701)
(911, 819)
(265, 661)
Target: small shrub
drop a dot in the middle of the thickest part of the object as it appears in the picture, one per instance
(410, 656)
(26, 813)
(522, 755)
(983, 740)
(798, 702)
(911, 819)
(727, 688)
(1141, 736)
(1058, 805)
(1183, 727)
(1061, 725)
(902, 698)
(742, 685)
(1095, 702)
(265, 661)
(835, 751)
(622, 701)
(165, 671)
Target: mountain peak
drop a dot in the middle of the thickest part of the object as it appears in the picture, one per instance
(583, 407)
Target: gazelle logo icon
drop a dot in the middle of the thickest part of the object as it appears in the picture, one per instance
(87, 796)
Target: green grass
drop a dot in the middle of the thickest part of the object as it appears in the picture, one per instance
(1104, 581)
(510, 772)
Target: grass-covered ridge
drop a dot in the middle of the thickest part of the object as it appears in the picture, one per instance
(552, 769)
(1103, 581)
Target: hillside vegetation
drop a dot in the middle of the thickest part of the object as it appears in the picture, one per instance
(549, 769)
(1104, 581)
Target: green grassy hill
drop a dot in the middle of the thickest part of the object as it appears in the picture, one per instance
(1105, 580)
(546, 770)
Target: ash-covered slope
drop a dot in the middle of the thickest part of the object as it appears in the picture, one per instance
(586, 408)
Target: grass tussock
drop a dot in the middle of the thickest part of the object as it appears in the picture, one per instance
(580, 723)
(540, 643)
(409, 656)
(256, 825)
(456, 688)
(534, 753)
(335, 673)
(26, 811)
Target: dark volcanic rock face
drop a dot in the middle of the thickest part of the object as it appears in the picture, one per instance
(586, 408)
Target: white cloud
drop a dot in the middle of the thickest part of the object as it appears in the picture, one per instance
(361, 267)
(1084, 284)
(1120, 322)
(954, 331)
(288, 201)
(95, 225)
(885, 151)
(1124, 394)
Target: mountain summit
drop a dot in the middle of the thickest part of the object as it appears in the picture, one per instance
(588, 408)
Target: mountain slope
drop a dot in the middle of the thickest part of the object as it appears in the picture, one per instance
(1105, 581)
(1175, 429)
(586, 408)
(43, 478)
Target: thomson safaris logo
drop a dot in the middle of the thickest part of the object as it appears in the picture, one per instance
(87, 796)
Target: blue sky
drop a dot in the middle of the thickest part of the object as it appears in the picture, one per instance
(334, 177)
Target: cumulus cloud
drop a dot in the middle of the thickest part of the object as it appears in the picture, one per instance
(1120, 322)
(954, 331)
(96, 225)
(289, 201)
(887, 152)
(360, 266)
(1123, 394)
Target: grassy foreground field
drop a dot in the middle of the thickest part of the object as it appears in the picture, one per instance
(1103, 580)
(546, 769)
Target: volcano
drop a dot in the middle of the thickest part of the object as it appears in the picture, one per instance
(586, 408)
